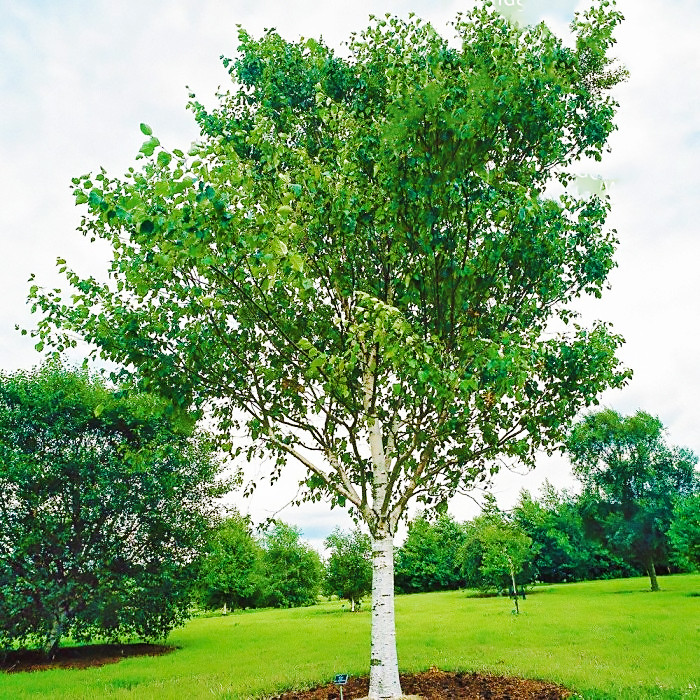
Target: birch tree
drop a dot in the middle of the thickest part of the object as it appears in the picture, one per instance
(368, 262)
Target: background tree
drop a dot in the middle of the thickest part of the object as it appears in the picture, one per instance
(561, 548)
(359, 257)
(230, 569)
(506, 550)
(428, 558)
(631, 480)
(104, 503)
(349, 568)
(496, 554)
(291, 569)
(684, 533)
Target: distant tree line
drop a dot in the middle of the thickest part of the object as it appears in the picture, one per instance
(241, 570)
(277, 568)
(638, 511)
(556, 537)
(109, 526)
(538, 540)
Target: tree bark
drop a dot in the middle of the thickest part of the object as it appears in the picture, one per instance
(515, 589)
(384, 666)
(54, 637)
(384, 681)
(651, 570)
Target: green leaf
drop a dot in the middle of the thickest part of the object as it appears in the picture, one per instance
(149, 146)
(297, 262)
(145, 129)
(284, 211)
(279, 247)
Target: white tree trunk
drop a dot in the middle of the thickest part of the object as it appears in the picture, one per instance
(384, 681)
(384, 666)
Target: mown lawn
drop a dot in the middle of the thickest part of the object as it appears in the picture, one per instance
(607, 639)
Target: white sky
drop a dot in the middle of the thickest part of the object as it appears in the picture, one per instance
(77, 77)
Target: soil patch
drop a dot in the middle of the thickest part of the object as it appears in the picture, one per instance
(78, 657)
(442, 685)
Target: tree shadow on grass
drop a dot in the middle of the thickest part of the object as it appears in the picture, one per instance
(87, 656)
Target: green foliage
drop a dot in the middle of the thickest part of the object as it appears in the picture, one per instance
(562, 549)
(684, 534)
(291, 568)
(239, 570)
(632, 480)
(496, 554)
(230, 569)
(428, 559)
(349, 568)
(104, 502)
(398, 200)
(505, 552)
(369, 262)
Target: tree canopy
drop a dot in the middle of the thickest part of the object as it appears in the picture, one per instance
(562, 549)
(428, 558)
(291, 568)
(349, 566)
(684, 534)
(230, 569)
(496, 553)
(368, 261)
(632, 479)
(104, 502)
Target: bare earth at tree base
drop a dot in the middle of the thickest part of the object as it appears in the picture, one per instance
(78, 657)
(438, 685)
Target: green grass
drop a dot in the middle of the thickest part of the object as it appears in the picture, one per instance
(607, 639)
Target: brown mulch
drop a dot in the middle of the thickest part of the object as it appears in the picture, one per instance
(78, 657)
(440, 685)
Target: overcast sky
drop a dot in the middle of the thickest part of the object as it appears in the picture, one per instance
(77, 77)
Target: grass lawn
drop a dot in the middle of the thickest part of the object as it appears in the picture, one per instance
(606, 639)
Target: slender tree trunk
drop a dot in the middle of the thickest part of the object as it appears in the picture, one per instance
(651, 570)
(384, 666)
(384, 681)
(515, 590)
(57, 630)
